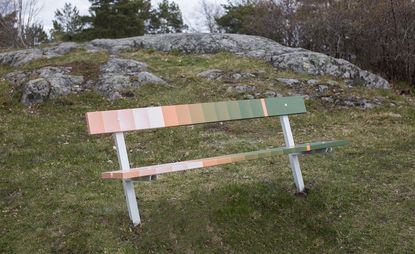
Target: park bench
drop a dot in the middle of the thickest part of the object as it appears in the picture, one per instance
(117, 122)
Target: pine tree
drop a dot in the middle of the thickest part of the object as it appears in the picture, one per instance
(117, 18)
(167, 18)
(67, 23)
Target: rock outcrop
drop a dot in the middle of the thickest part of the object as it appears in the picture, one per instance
(48, 82)
(120, 74)
(285, 58)
(116, 76)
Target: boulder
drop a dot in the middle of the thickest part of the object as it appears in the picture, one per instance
(212, 74)
(149, 78)
(313, 82)
(45, 83)
(118, 75)
(241, 89)
(289, 81)
(35, 91)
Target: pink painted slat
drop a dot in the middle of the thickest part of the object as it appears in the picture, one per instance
(141, 119)
(111, 122)
(126, 120)
(95, 122)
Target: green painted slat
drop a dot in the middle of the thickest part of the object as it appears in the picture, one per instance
(233, 109)
(245, 108)
(256, 108)
(209, 112)
(285, 105)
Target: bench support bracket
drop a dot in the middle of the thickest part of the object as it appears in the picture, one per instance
(127, 184)
(294, 162)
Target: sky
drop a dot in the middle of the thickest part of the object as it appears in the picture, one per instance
(188, 7)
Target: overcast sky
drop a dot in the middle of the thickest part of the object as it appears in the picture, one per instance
(189, 9)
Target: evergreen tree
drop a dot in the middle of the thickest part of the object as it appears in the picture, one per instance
(237, 16)
(167, 18)
(117, 18)
(67, 23)
(35, 35)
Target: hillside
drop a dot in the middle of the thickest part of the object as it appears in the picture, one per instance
(361, 196)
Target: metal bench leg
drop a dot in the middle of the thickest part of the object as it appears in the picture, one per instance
(295, 164)
(127, 184)
(131, 201)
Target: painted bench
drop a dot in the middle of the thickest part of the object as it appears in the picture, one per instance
(117, 122)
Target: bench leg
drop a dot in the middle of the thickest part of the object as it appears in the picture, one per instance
(295, 167)
(131, 201)
(295, 164)
(127, 184)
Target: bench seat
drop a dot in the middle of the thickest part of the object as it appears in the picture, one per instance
(214, 161)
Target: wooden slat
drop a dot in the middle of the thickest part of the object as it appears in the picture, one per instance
(214, 161)
(176, 115)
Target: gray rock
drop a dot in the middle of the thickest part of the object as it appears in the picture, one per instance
(373, 81)
(236, 76)
(16, 77)
(62, 85)
(286, 58)
(121, 66)
(349, 82)
(270, 94)
(249, 96)
(47, 82)
(20, 57)
(149, 78)
(35, 91)
(332, 82)
(322, 88)
(241, 89)
(52, 71)
(294, 59)
(111, 84)
(289, 81)
(327, 99)
(306, 96)
(118, 75)
(213, 74)
(313, 82)
(61, 49)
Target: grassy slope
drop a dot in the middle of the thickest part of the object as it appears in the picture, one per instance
(53, 200)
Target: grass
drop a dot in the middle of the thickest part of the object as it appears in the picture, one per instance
(52, 198)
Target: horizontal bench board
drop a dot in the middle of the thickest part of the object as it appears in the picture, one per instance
(214, 161)
(176, 115)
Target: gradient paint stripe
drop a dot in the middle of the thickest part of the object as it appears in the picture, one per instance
(170, 116)
(215, 161)
(175, 115)
(264, 108)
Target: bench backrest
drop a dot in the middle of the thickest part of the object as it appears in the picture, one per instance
(168, 116)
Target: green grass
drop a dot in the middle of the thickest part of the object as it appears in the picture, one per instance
(52, 198)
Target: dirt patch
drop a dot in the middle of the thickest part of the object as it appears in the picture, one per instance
(88, 70)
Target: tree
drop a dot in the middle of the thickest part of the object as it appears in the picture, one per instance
(237, 16)
(116, 18)
(18, 21)
(166, 18)
(35, 34)
(209, 13)
(67, 23)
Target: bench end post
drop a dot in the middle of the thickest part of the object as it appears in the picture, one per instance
(127, 184)
(294, 162)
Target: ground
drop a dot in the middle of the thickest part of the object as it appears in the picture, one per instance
(361, 197)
